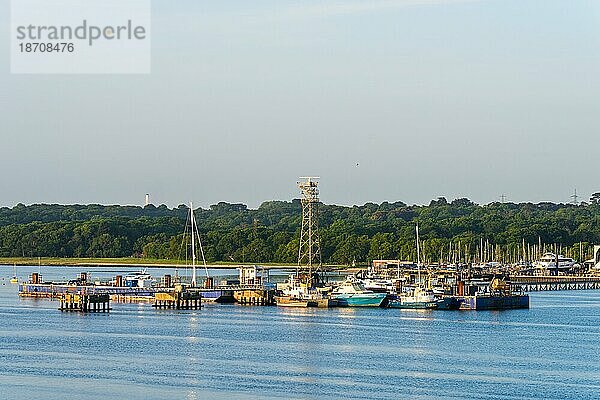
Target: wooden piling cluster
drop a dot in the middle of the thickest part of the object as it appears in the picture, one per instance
(178, 300)
(255, 297)
(84, 302)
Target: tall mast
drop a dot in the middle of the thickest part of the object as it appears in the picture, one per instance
(193, 222)
(418, 255)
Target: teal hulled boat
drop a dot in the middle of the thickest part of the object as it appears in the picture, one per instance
(354, 294)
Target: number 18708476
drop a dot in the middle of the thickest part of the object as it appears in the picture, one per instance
(41, 47)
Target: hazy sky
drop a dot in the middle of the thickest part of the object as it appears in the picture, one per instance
(430, 98)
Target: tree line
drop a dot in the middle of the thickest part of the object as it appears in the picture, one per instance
(459, 231)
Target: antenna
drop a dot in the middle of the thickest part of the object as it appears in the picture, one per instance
(502, 198)
(574, 196)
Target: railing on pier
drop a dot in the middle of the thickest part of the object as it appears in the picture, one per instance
(550, 283)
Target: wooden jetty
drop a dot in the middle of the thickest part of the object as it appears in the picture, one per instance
(255, 296)
(251, 289)
(548, 283)
(178, 299)
(84, 302)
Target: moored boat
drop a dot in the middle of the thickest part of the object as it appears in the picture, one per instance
(289, 301)
(419, 299)
(353, 294)
(139, 279)
(448, 303)
(554, 262)
(295, 292)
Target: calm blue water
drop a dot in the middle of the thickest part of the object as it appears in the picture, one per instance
(228, 351)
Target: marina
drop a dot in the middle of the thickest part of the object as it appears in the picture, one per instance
(386, 283)
(431, 326)
(253, 289)
(481, 283)
(231, 350)
(311, 330)
(300, 200)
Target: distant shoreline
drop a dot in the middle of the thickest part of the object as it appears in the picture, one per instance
(132, 262)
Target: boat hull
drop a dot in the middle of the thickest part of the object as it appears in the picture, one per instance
(418, 305)
(360, 300)
(327, 303)
(448, 303)
(283, 301)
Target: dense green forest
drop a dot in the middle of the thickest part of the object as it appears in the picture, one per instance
(233, 233)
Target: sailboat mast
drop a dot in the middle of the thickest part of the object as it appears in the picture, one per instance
(418, 255)
(193, 221)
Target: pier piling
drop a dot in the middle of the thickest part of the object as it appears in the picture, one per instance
(178, 299)
(256, 297)
(84, 302)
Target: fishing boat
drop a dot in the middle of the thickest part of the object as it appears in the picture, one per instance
(308, 298)
(353, 293)
(289, 301)
(293, 294)
(296, 293)
(419, 298)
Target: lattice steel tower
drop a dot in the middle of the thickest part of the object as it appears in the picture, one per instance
(309, 253)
